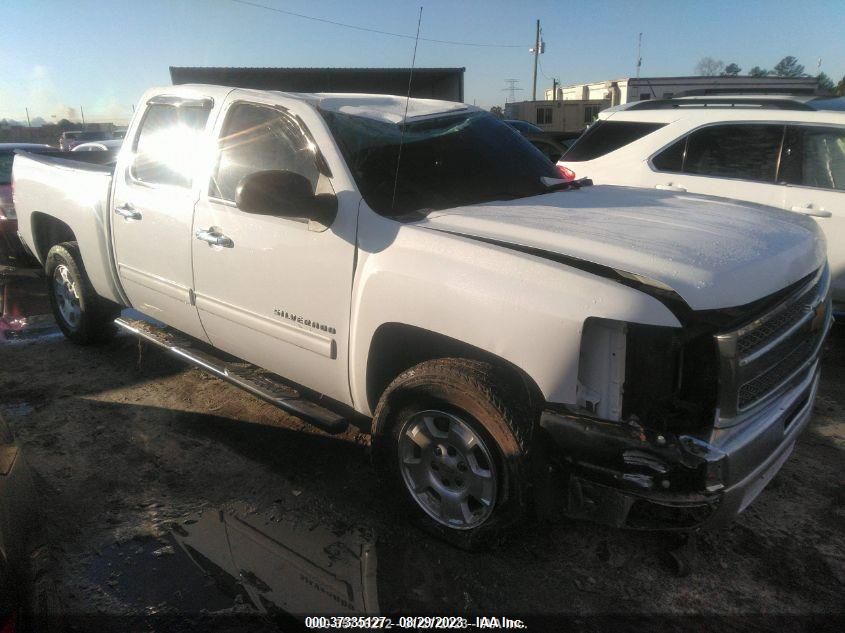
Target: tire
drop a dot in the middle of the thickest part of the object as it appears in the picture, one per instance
(452, 437)
(82, 316)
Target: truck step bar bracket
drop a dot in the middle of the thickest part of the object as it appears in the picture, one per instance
(251, 378)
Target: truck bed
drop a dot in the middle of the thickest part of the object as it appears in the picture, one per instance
(73, 195)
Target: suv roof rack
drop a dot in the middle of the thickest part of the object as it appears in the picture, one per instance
(784, 103)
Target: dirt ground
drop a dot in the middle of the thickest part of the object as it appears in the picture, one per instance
(163, 490)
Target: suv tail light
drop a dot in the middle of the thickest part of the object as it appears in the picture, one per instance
(565, 172)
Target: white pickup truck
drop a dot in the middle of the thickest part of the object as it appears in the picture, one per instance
(644, 359)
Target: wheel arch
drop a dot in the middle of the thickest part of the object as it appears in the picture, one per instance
(47, 231)
(396, 347)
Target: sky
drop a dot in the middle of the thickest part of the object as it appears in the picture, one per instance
(60, 56)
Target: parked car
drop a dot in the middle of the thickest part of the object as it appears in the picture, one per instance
(524, 127)
(539, 138)
(99, 146)
(640, 358)
(11, 250)
(774, 150)
(69, 140)
(66, 137)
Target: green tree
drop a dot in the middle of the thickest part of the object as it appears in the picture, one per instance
(497, 112)
(825, 84)
(709, 67)
(759, 72)
(789, 67)
(840, 87)
(732, 70)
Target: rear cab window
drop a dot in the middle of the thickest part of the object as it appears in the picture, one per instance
(603, 137)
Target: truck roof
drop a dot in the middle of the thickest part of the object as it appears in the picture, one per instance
(385, 108)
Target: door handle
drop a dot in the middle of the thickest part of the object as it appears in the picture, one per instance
(127, 211)
(214, 239)
(810, 210)
(670, 187)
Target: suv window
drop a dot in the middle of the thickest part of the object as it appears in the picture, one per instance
(814, 157)
(257, 138)
(742, 150)
(166, 147)
(603, 137)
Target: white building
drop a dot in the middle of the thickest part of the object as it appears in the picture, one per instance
(557, 116)
(619, 91)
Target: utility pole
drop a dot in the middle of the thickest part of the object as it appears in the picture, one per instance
(536, 50)
(82, 112)
(554, 89)
(28, 123)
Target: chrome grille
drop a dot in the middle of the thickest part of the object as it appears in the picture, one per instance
(757, 388)
(773, 326)
(761, 358)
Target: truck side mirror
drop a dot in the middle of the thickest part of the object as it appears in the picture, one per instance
(285, 194)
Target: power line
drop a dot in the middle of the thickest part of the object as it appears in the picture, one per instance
(369, 30)
(542, 72)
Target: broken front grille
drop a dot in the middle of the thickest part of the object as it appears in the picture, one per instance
(763, 357)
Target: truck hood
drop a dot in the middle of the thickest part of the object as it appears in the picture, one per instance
(714, 253)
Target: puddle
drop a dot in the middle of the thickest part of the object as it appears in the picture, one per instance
(155, 576)
(282, 565)
(238, 562)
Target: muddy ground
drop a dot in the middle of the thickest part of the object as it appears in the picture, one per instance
(165, 491)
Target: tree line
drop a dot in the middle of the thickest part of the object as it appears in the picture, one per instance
(786, 67)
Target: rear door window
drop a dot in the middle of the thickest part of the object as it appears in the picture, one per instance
(603, 137)
(814, 157)
(167, 146)
(741, 150)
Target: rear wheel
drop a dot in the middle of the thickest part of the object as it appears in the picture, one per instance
(82, 316)
(453, 436)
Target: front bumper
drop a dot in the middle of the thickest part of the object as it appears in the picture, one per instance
(625, 475)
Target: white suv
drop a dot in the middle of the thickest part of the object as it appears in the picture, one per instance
(777, 151)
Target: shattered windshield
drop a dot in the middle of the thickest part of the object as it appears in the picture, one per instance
(446, 162)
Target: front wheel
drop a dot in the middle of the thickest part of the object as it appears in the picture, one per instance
(82, 315)
(452, 435)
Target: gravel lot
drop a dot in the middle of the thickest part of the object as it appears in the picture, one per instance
(166, 491)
